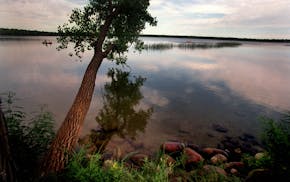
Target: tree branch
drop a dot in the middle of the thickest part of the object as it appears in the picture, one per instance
(108, 50)
(110, 5)
(104, 30)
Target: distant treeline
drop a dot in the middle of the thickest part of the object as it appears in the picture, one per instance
(20, 32)
(220, 38)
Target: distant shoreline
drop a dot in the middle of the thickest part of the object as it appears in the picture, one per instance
(21, 32)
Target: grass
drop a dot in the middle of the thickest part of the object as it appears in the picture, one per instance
(82, 168)
(206, 45)
(158, 46)
(276, 138)
(29, 137)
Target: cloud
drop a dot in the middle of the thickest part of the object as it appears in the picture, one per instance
(153, 97)
(35, 14)
(236, 18)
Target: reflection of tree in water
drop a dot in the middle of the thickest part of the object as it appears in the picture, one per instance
(119, 114)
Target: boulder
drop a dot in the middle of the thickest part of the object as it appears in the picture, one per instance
(260, 175)
(236, 165)
(138, 159)
(172, 147)
(218, 159)
(194, 147)
(192, 157)
(213, 151)
(238, 151)
(214, 169)
(234, 171)
(259, 155)
(219, 128)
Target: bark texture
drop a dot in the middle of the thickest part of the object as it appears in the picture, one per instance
(68, 134)
(7, 166)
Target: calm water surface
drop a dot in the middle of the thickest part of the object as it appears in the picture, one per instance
(185, 91)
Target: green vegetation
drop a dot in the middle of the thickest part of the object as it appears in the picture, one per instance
(208, 45)
(109, 28)
(29, 137)
(220, 38)
(275, 161)
(82, 168)
(159, 46)
(21, 32)
(276, 137)
(205, 45)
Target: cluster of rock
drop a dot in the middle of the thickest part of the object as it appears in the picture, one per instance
(222, 162)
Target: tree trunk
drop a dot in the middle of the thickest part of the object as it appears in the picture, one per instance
(7, 166)
(68, 134)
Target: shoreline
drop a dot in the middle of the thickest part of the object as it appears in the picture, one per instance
(21, 32)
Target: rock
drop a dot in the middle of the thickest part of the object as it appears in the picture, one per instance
(192, 157)
(214, 169)
(218, 159)
(106, 156)
(238, 151)
(247, 148)
(210, 135)
(108, 163)
(248, 136)
(259, 175)
(259, 149)
(219, 128)
(213, 151)
(172, 147)
(236, 165)
(169, 159)
(138, 159)
(259, 155)
(234, 171)
(193, 147)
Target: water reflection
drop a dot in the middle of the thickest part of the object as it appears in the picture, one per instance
(190, 89)
(120, 115)
(190, 45)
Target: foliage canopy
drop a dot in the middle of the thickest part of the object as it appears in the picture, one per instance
(107, 26)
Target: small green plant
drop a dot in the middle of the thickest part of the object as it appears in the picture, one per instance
(276, 137)
(90, 168)
(29, 137)
(158, 171)
(253, 163)
(82, 168)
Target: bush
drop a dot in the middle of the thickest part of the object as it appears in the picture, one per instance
(276, 137)
(29, 137)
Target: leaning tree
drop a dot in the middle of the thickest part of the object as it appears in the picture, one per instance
(109, 27)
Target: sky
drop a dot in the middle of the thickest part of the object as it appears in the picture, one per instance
(220, 18)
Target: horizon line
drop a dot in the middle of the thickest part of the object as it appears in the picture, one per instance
(173, 36)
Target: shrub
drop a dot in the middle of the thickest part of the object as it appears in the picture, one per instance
(28, 137)
(276, 137)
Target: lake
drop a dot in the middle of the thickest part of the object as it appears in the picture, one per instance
(169, 94)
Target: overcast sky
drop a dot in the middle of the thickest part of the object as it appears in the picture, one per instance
(223, 18)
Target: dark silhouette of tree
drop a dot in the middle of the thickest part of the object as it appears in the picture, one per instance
(109, 27)
(7, 165)
(119, 115)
